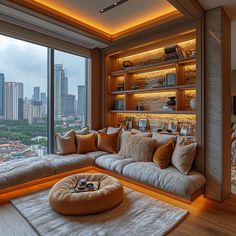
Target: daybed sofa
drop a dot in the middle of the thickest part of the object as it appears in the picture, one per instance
(169, 180)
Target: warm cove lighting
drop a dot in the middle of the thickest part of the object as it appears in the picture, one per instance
(61, 8)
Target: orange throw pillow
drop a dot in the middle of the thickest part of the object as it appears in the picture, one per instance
(108, 142)
(86, 143)
(163, 154)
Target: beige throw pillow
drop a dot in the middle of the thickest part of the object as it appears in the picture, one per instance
(66, 143)
(162, 139)
(124, 136)
(183, 155)
(112, 130)
(83, 131)
(138, 147)
(140, 133)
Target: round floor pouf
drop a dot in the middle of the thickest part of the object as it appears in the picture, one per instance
(63, 200)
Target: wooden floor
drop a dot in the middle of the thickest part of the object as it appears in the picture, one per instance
(205, 217)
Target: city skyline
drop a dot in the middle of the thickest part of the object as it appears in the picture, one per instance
(29, 65)
(34, 109)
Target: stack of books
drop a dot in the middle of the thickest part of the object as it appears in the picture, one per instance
(174, 52)
(156, 82)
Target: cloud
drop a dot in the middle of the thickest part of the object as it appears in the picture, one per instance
(25, 62)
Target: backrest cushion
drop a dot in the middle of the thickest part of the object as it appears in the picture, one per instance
(86, 143)
(111, 130)
(163, 154)
(162, 138)
(82, 131)
(108, 142)
(66, 143)
(184, 154)
(138, 147)
(138, 132)
(123, 137)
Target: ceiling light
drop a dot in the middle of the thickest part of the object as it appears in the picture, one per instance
(113, 5)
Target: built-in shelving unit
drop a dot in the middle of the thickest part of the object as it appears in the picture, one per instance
(141, 83)
(150, 67)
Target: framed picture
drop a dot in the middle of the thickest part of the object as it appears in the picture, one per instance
(172, 126)
(142, 124)
(170, 79)
(129, 123)
(161, 126)
(186, 128)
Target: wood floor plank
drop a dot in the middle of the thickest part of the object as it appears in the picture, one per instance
(12, 223)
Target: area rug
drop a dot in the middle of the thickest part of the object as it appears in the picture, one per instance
(137, 215)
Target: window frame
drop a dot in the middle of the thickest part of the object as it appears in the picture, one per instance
(67, 48)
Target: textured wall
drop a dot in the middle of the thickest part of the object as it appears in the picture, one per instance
(217, 101)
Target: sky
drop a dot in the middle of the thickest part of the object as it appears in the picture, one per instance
(26, 62)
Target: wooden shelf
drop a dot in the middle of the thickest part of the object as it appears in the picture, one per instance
(160, 65)
(154, 112)
(152, 90)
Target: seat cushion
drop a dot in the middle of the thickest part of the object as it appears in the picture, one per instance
(94, 155)
(70, 162)
(113, 162)
(170, 179)
(21, 171)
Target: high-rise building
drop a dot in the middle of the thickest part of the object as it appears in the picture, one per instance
(81, 103)
(33, 113)
(43, 98)
(36, 93)
(13, 105)
(2, 97)
(61, 90)
(68, 104)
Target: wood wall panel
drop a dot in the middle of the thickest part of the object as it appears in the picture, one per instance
(217, 101)
(96, 89)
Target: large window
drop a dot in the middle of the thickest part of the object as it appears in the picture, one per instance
(24, 99)
(69, 91)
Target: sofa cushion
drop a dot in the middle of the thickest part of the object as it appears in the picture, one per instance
(169, 179)
(112, 130)
(138, 147)
(113, 162)
(21, 171)
(82, 131)
(66, 143)
(94, 155)
(183, 155)
(163, 154)
(70, 162)
(108, 142)
(162, 139)
(85, 143)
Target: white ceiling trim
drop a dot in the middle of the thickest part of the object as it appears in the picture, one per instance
(31, 22)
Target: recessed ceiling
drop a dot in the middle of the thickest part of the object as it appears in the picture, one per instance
(121, 18)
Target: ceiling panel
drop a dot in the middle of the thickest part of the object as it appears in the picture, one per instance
(130, 14)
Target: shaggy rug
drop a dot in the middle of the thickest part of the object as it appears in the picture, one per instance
(137, 215)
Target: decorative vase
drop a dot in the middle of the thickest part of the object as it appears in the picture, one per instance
(193, 104)
(171, 101)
